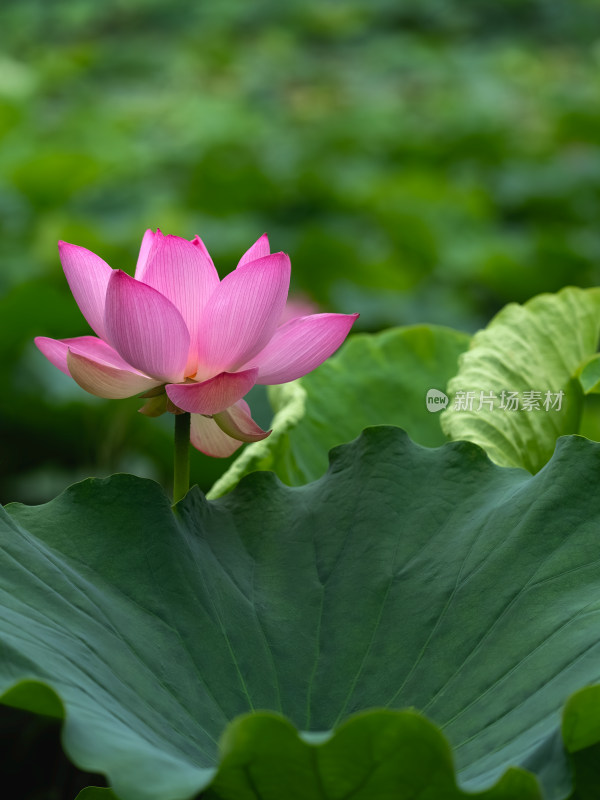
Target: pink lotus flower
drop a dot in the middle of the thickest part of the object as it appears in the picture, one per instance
(185, 339)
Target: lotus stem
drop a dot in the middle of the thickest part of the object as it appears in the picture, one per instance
(181, 461)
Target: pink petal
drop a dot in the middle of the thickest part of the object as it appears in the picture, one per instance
(104, 380)
(242, 314)
(56, 351)
(197, 242)
(206, 436)
(300, 346)
(146, 329)
(214, 395)
(236, 421)
(181, 272)
(147, 242)
(88, 276)
(259, 249)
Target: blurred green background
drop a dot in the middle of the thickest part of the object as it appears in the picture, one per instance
(420, 160)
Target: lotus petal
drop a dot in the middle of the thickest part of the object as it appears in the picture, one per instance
(197, 242)
(206, 436)
(259, 249)
(236, 421)
(181, 272)
(146, 328)
(87, 275)
(242, 314)
(301, 345)
(214, 395)
(147, 242)
(104, 380)
(56, 351)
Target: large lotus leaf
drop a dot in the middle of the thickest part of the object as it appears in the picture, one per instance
(404, 578)
(536, 348)
(374, 379)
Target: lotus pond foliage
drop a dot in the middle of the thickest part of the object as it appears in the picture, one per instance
(422, 162)
(386, 584)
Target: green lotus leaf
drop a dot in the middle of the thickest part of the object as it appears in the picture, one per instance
(516, 390)
(457, 598)
(374, 379)
(372, 755)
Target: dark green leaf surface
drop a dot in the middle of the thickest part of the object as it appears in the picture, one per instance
(378, 379)
(405, 578)
(534, 348)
